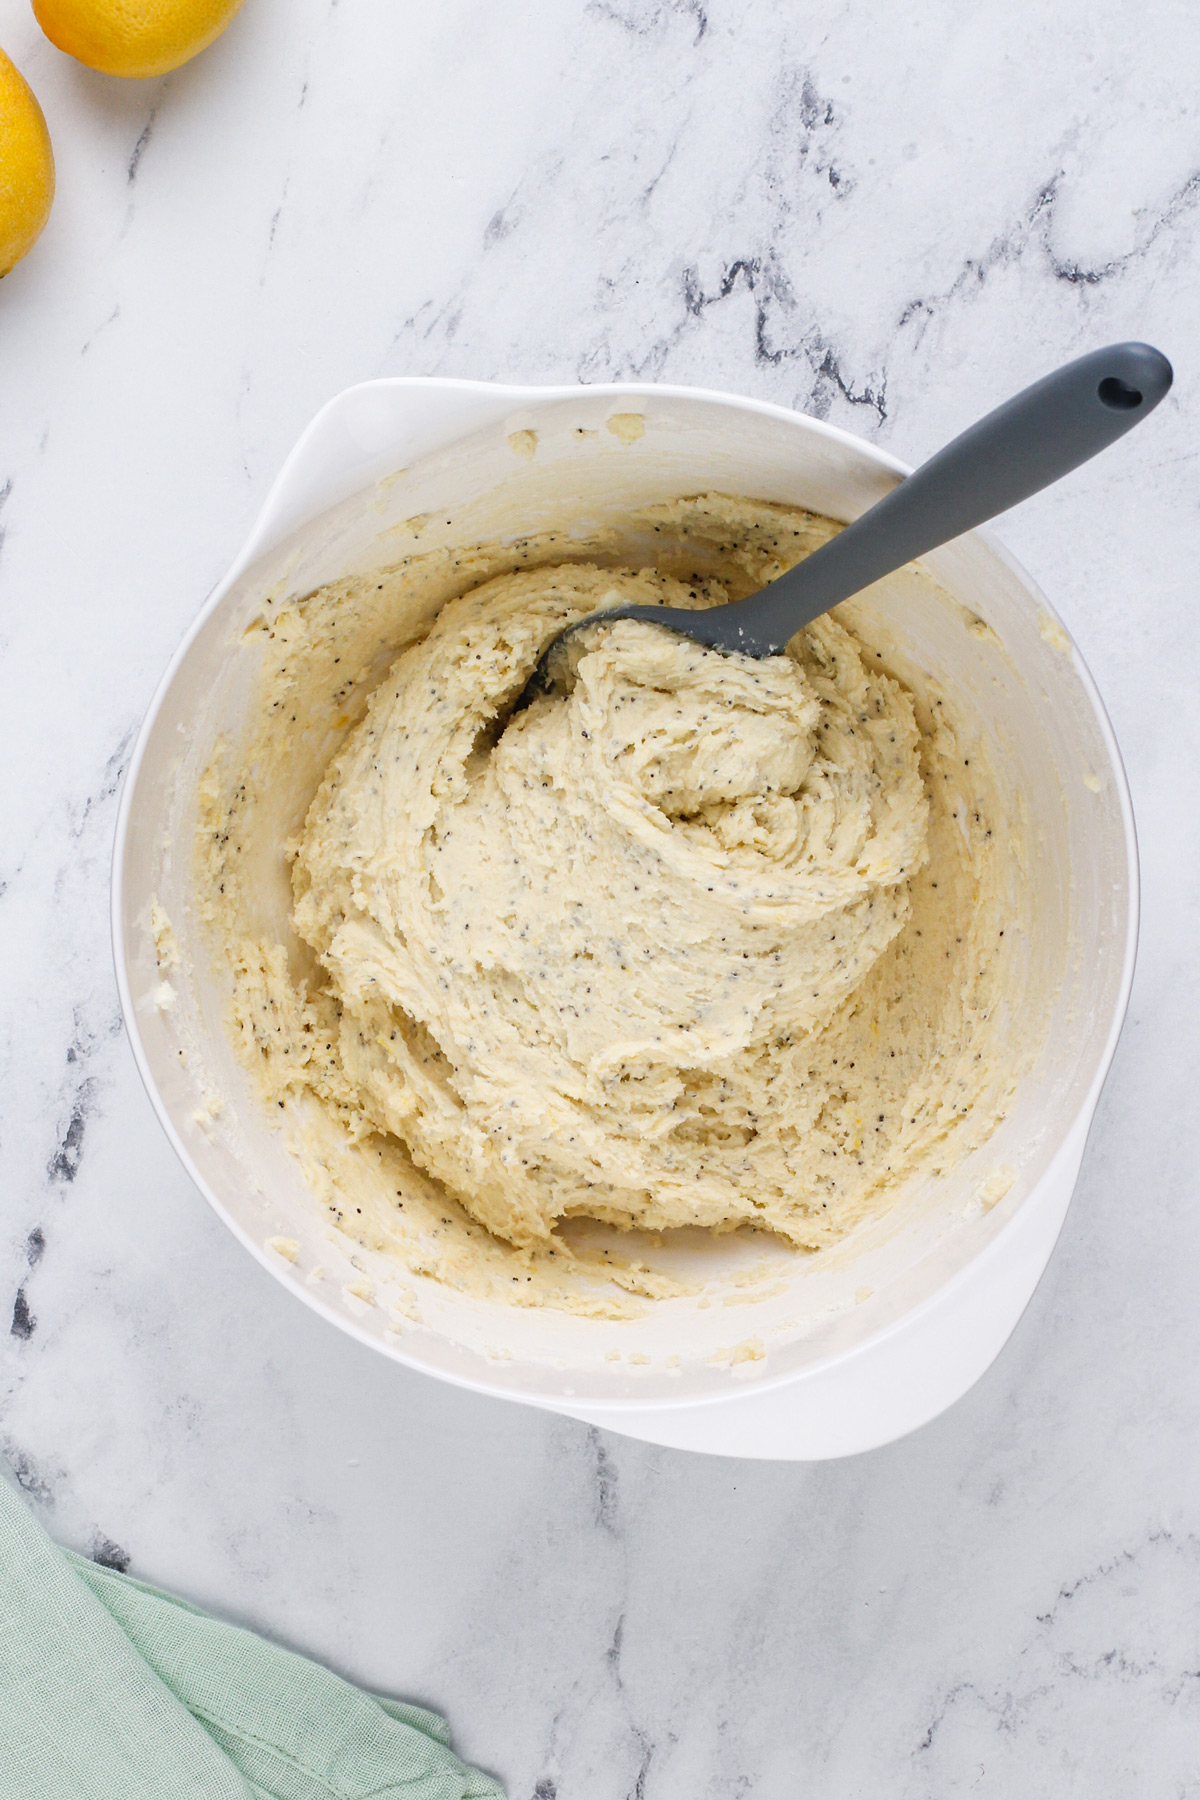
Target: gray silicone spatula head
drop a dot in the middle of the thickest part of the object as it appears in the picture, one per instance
(1014, 452)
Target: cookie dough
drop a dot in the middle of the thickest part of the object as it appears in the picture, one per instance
(704, 942)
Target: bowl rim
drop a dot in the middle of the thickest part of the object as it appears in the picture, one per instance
(264, 535)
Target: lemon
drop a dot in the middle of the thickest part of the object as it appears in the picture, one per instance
(26, 166)
(133, 37)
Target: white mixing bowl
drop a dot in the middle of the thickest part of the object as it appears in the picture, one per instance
(899, 1322)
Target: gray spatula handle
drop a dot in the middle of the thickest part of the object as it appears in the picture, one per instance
(1023, 446)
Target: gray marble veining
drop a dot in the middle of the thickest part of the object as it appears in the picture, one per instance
(891, 219)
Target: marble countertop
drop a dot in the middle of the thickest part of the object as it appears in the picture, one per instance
(890, 219)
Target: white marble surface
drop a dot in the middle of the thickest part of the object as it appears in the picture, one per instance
(892, 219)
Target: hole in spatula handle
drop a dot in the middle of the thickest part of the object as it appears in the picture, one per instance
(1118, 394)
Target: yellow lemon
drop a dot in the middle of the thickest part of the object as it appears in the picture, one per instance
(26, 166)
(133, 37)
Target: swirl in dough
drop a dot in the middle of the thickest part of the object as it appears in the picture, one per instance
(605, 956)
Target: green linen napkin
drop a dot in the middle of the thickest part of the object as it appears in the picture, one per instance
(111, 1690)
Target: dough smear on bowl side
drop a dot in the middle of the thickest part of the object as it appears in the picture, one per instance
(707, 942)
